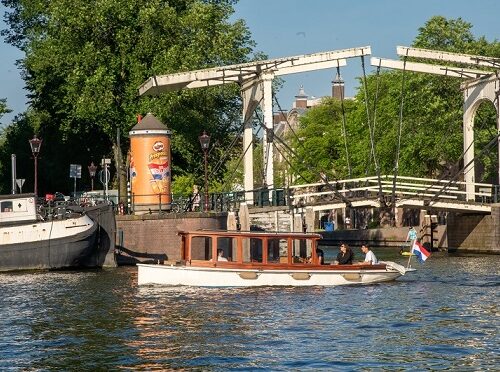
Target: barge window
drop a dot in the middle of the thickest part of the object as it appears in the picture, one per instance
(201, 248)
(228, 245)
(6, 206)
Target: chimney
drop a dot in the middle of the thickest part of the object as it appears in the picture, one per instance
(301, 98)
(338, 87)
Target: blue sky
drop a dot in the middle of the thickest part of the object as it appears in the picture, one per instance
(293, 27)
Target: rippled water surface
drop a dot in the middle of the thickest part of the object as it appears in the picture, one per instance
(444, 316)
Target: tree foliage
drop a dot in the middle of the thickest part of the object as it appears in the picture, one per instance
(84, 61)
(319, 143)
(3, 107)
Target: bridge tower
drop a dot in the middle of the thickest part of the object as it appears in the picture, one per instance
(475, 92)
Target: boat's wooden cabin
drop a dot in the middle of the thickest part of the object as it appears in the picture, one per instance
(16, 208)
(200, 248)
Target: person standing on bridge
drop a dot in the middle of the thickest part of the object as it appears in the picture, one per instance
(348, 222)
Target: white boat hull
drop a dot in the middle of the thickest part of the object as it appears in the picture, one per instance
(224, 277)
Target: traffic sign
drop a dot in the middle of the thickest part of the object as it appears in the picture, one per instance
(75, 171)
(20, 183)
(104, 176)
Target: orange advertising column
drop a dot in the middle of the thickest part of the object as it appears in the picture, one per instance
(150, 166)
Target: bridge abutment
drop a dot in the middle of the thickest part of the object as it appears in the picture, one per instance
(477, 233)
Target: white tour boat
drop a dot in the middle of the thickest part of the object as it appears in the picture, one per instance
(251, 259)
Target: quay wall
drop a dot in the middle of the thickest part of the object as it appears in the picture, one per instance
(383, 237)
(153, 237)
(466, 233)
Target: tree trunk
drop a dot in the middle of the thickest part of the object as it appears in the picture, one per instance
(121, 174)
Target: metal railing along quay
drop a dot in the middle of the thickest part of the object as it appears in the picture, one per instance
(363, 191)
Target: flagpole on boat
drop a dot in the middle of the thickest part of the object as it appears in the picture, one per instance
(411, 250)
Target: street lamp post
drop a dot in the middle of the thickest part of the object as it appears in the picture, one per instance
(205, 142)
(92, 170)
(36, 144)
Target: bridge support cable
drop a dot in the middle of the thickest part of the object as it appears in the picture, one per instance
(269, 142)
(400, 126)
(283, 143)
(267, 139)
(242, 156)
(439, 181)
(486, 149)
(219, 163)
(287, 122)
(323, 177)
(454, 176)
(227, 153)
(344, 128)
(290, 164)
(374, 123)
(372, 133)
(300, 142)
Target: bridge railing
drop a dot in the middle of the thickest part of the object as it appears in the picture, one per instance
(364, 191)
(405, 187)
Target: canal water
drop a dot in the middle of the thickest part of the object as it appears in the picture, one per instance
(445, 316)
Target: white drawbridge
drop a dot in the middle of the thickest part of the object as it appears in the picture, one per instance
(255, 81)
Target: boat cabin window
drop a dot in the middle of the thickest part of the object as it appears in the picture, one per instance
(6, 206)
(277, 251)
(228, 246)
(252, 249)
(201, 248)
(301, 249)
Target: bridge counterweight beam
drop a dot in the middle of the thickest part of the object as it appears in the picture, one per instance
(268, 147)
(469, 170)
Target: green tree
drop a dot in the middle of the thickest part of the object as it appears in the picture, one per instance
(84, 62)
(3, 107)
(319, 142)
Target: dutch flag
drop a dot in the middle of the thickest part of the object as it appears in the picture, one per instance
(418, 250)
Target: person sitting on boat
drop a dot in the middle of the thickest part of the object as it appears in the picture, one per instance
(220, 255)
(321, 256)
(345, 255)
(309, 259)
(370, 258)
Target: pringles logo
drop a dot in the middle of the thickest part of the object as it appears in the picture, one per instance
(158, 146)
(158, 155)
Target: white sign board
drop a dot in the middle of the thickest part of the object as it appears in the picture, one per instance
(20, 183)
